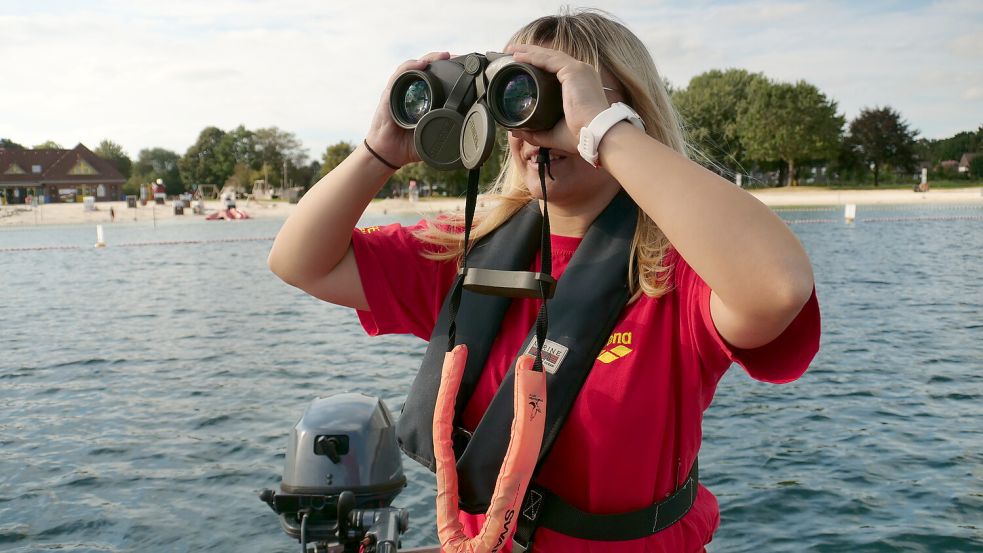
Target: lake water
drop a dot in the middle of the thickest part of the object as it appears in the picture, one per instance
(148, 390)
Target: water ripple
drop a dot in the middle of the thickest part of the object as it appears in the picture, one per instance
(142, 420)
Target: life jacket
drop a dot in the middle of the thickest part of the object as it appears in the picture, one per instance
(586, 305)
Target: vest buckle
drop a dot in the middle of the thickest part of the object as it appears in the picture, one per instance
(509, 284)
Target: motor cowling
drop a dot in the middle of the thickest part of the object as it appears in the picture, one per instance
(342, 470)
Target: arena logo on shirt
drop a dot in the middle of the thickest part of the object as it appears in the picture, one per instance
(369, 230)
(616, 348)
(553, 354)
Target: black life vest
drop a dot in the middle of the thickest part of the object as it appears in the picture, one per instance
(589, 298)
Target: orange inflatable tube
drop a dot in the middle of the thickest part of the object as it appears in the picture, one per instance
(528, 422)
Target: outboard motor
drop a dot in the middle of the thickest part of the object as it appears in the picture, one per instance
(342, 471)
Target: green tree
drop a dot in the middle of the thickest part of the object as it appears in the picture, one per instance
(208, 160)
(709, 107)
(934, 151)
(789, 122)
(244, 176)
(883, 138)
(976, 166)
(955, 146)
(309, 174)
(6, 143)
(848, 163)
(114, 153)
(239, 145)
(48, 145)
(238, 149)
(925, 150)
(157, 163)
(280, 149)
(334, 155)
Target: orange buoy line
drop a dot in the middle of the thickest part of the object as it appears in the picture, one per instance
(879, 207)
(900, 219)
(39, 248)
(187, 242)
(138, 244)
(913, 218)
(922, 218)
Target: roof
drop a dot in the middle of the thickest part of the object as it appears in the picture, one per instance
(78, 165)
(966, 159)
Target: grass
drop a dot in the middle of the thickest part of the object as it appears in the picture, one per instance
(933, 184)
(906, 186)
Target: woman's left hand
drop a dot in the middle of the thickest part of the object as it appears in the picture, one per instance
(583, 95)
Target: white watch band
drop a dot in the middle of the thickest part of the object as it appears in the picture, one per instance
(591, 135)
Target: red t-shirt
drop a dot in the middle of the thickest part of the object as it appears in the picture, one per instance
(635, 429)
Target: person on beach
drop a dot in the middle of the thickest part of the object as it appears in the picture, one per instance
(714, 277)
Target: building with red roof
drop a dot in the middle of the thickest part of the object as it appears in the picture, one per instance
(58, 175)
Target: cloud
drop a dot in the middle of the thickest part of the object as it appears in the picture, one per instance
(968, 46)
(150, 73)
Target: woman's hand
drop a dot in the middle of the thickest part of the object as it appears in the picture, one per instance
(389, 140)
(583, 95)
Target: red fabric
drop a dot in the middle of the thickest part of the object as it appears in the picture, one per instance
(635, 428)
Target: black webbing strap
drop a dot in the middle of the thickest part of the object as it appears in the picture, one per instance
(543, 508)
(546, 258)
(470, 202)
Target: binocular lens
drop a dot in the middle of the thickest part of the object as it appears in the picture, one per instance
(519, 97)
(416, 101)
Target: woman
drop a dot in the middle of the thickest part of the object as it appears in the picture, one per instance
(714, 277)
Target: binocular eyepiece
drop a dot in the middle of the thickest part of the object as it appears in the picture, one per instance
(453, 105)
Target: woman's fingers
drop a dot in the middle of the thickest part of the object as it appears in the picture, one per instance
(434, 56)
(558, 138)
(543, 58)
(583, 95)
(419, 63)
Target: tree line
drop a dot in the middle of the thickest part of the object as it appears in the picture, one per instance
(736, 122)
(739, 122)
(241, 155)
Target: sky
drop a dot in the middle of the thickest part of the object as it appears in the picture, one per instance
(155, 73)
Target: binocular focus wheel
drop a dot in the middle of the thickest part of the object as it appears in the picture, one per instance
(437, 139)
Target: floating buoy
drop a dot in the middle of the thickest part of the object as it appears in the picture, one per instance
(100, 242)
(850, 214)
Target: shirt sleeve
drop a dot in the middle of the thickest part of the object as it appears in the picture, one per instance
(782, 360)
(405, 290)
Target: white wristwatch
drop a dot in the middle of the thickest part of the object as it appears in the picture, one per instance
(591, 135)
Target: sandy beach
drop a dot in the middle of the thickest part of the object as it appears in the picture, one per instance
(803, 196)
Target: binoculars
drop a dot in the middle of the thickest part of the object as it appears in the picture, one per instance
(453, 105)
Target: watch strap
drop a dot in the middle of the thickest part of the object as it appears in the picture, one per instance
(591, 135)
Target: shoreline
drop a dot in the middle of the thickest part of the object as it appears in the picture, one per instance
(801, 196)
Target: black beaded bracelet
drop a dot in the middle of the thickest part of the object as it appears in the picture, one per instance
(377, 156)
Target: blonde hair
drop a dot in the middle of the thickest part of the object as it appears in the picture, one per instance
(593, 37)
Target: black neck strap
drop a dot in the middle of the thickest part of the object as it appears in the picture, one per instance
(546, 256)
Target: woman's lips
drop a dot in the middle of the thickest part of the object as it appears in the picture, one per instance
(531, 162)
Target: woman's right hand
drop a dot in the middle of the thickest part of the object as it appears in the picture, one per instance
(389, 140)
